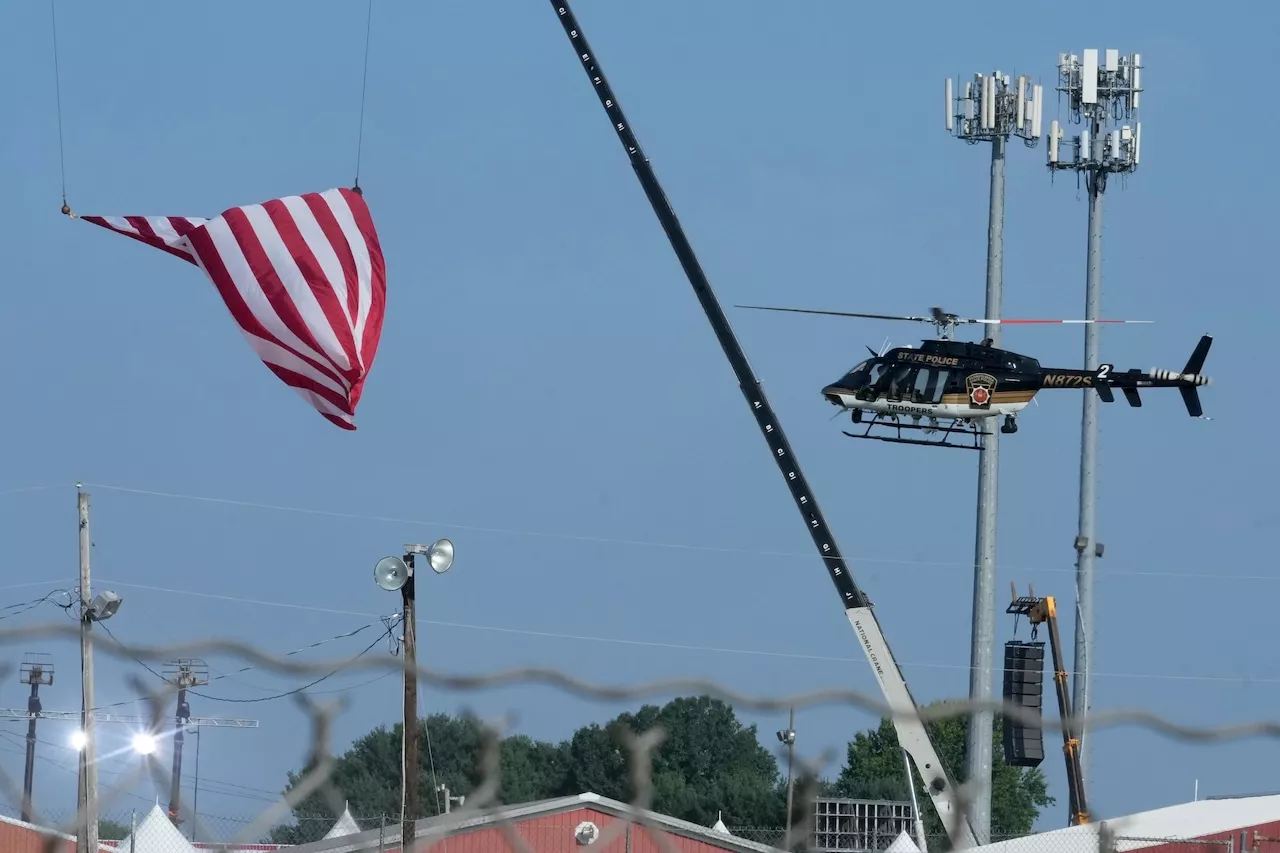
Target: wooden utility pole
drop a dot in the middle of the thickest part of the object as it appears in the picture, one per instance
(87, 790)
(392, 573)
(409, 772)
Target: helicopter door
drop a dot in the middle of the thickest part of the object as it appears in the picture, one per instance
(899, 385)
(929, 385)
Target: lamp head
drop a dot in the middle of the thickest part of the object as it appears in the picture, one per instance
(391, 573)
(440, 555)
(104, 606)
(144, 743)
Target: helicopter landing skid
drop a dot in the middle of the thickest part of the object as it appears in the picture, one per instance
(945, 433)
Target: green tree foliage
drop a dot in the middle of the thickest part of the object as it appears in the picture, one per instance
(874, 769)
(709, 764)
(112, 830)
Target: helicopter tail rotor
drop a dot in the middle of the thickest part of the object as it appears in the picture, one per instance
(1190, 379)
(1191, 374)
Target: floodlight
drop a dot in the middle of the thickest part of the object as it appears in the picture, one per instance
(391, 573)
(440, 555)
(78, 740)
(104, 606)
(144, 744)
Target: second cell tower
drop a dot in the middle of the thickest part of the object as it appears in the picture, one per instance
(1098, 95)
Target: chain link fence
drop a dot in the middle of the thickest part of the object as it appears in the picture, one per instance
(483, 821)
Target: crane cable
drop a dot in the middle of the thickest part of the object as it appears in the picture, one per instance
(57, 88)
(364, 91)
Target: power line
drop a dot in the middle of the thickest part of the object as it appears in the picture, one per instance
(554, 635)
(645, 543)
(149, 669)
(286, 693)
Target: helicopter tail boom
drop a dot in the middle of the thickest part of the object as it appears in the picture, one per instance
(1105, 379)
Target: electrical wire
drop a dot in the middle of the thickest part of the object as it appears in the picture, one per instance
(36, 602)
(651, 543)
(870, 559)
(282, 695)
(687, 647)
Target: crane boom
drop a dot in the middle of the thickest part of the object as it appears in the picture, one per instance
(912, 735)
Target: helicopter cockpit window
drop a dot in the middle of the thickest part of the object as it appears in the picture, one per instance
(859, 370)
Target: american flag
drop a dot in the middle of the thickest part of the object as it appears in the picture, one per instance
(303, 277)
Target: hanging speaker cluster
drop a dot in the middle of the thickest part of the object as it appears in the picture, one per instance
(1024, 688)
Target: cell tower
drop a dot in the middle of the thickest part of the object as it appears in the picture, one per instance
(1098, 95)
(989, 109)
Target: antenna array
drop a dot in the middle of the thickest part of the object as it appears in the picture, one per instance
(994, 106)
(1097, 93)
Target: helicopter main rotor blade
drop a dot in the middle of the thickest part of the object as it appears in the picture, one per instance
(1024, 322)
(836, 313)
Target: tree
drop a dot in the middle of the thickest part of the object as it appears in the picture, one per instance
(874, 770)
(112, 830)
(708, 764)
(451, 749)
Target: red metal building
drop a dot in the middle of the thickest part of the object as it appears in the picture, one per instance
(586, 822)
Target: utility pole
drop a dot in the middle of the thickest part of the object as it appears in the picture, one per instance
(80, 738)
(37, 670)
(392, 573)
(183, 673)
(87, 789)
(1096, 94)
(788, 736)
(409, 772)
(989, 109)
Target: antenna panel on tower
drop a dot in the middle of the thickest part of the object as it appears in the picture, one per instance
(1089, 77)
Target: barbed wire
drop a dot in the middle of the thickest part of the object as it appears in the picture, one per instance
(484, 809)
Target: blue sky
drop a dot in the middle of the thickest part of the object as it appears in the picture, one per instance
(548, 394)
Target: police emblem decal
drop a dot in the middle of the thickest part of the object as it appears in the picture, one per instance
(981, 386)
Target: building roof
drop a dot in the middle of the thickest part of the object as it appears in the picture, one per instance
(453, 824)
(1155, 827)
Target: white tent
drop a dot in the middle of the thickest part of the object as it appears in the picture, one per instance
(902, 844)
(345, 825)
(155, 833)
(719, 826)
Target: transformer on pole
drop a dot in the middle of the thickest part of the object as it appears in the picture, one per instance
(1101, 91)
(989, 109)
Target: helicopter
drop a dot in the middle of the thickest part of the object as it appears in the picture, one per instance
(956, 387)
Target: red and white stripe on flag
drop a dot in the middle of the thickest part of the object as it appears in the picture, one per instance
(303, 277)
